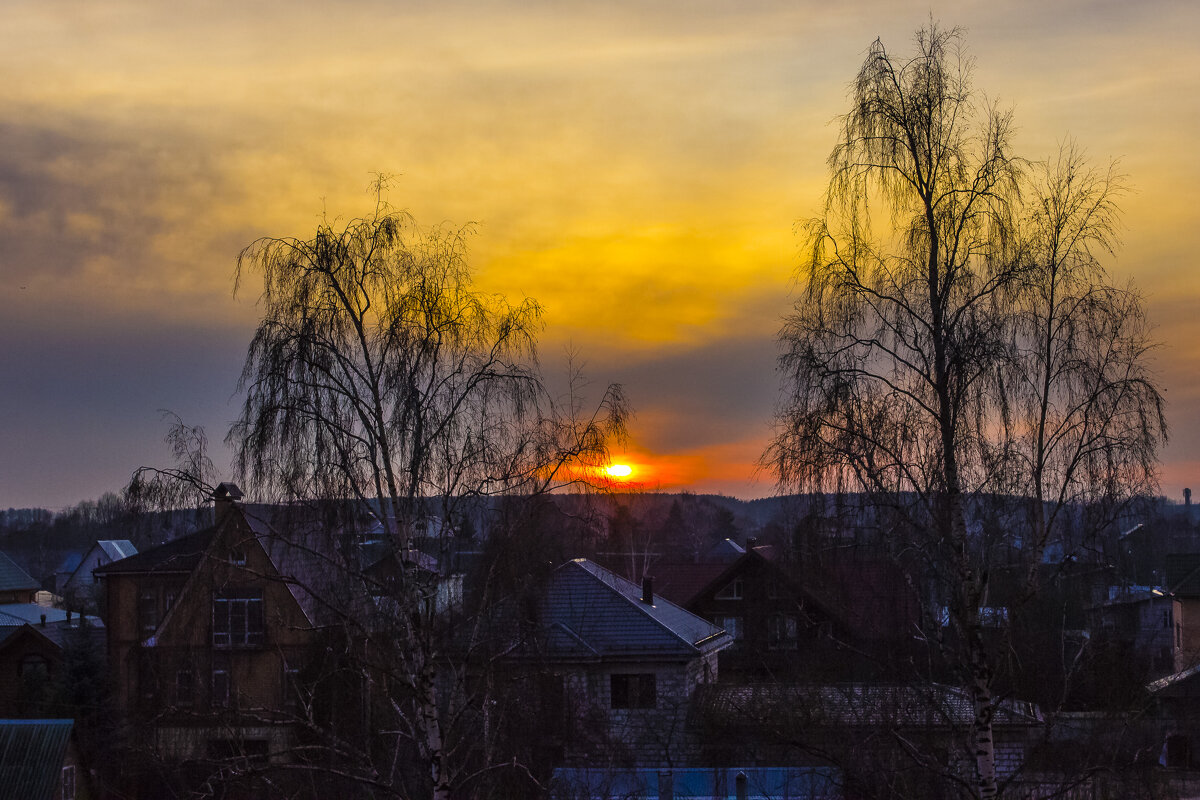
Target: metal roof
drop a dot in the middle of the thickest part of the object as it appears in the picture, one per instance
(13, 578)
(31, 757)
(116, 549)
(588, 610)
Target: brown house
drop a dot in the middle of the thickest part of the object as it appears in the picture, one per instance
(207, 637)
(852, 621)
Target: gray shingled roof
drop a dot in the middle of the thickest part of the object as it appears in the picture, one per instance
(585, 610)
(13, 578)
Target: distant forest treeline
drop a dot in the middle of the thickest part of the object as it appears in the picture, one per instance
(679, 526)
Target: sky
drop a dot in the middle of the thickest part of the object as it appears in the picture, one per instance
(638, 168)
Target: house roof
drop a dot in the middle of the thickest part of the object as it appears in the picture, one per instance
(1178, 684)
(116, 549)
(725, 550)
(57, 626)
(31, 756)
(931, 705)
(1183, 574)
(871, 598)
(13, 578)
(69, 563)
(585, 611)
(178, 555)
(682, 583)
(316, 574)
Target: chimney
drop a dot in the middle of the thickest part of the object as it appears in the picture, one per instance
(224, 497)
(648, 590)
(1187, 498)
(43, 620)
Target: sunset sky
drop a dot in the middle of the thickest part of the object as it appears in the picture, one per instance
(637, 167)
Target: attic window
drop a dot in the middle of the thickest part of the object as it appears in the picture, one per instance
(732, 591)
(634, 691)
(238, 619)
(237, 558)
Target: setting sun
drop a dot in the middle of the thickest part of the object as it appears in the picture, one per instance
(619, 470)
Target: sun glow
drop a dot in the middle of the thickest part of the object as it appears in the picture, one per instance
(618, 470)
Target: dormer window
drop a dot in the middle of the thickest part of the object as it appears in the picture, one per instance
(732, 591)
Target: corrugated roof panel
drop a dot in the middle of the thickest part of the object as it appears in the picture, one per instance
(116, 549)
(31, 756)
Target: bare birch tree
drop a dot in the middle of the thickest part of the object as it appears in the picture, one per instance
(1085, 417)
(381, 377)
(925, 290)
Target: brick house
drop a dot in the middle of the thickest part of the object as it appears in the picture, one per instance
(207, 637)
(849, 621)
(617, 665)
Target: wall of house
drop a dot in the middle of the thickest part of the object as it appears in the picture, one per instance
(12, 684)
(182, 675)
(656, 736)
(1186, 614)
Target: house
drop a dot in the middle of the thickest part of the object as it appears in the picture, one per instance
(869, 732)
(16, 585)
(618, 665)
(1140, 618)
(848, 620)
(1183, 585)
(208, 635)
(33, 640)
(79, 588)
(1176, 703)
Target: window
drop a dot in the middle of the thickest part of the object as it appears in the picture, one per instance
(238, 619)
(220, 687)
(185, 688)
(782, 632)
(237, 558)
(148, 612)
(292, 700)
(732, 626)
(68, 782)
(634, 691)
(732, 590)
(34, 667)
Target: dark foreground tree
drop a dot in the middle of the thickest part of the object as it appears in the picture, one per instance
(952, 342)
(380, 379)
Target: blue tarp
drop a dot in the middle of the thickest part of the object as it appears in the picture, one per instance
(710, 783)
